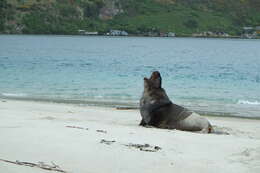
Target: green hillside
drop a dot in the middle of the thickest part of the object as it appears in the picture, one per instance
(137, 17)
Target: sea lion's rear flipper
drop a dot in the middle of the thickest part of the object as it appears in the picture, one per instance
(205, 130)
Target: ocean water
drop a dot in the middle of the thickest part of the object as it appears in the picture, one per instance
(217, 76)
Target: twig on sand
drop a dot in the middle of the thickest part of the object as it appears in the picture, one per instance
(103, 141)
(126, 108)
(101, 131)
(76, 127)
(82, 128)
(41, 165)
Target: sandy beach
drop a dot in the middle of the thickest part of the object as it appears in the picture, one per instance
(82, 139)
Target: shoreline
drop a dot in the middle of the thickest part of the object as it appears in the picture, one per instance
(137, 36)
(118, 106)
(94, 139)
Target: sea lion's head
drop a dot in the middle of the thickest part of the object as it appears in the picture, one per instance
(154, 82)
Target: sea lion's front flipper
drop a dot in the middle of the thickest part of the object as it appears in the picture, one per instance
(146, 117)
(142, 123)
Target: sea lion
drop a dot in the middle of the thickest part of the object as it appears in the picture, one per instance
(157, 109)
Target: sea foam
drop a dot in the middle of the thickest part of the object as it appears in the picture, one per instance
(246, 102)
(13, 94)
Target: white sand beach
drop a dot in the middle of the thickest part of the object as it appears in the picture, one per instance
(70, 136)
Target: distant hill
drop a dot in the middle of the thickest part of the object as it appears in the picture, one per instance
(137, 17)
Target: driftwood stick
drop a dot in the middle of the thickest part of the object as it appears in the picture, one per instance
(8, 161)
(41, 165)
(56, 166)
(77, 127)
(25, 163)
(126, 108)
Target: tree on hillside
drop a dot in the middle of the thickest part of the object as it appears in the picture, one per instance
(3, 7)
(191, 23)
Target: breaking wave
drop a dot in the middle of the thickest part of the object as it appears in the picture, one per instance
(246, 102)
(13, 94)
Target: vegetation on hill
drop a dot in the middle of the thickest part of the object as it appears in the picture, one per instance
(183, 17)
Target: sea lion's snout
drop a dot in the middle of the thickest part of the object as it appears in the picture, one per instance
(155, 80)
(155, 75)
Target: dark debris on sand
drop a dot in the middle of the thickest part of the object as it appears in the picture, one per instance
(103, 141)
(141, 147)
(144, 147)
(101, 131)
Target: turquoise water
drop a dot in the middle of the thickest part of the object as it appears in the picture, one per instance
(219, 76)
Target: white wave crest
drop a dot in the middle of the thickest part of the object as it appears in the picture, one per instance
(14, 94)
(246, 102)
